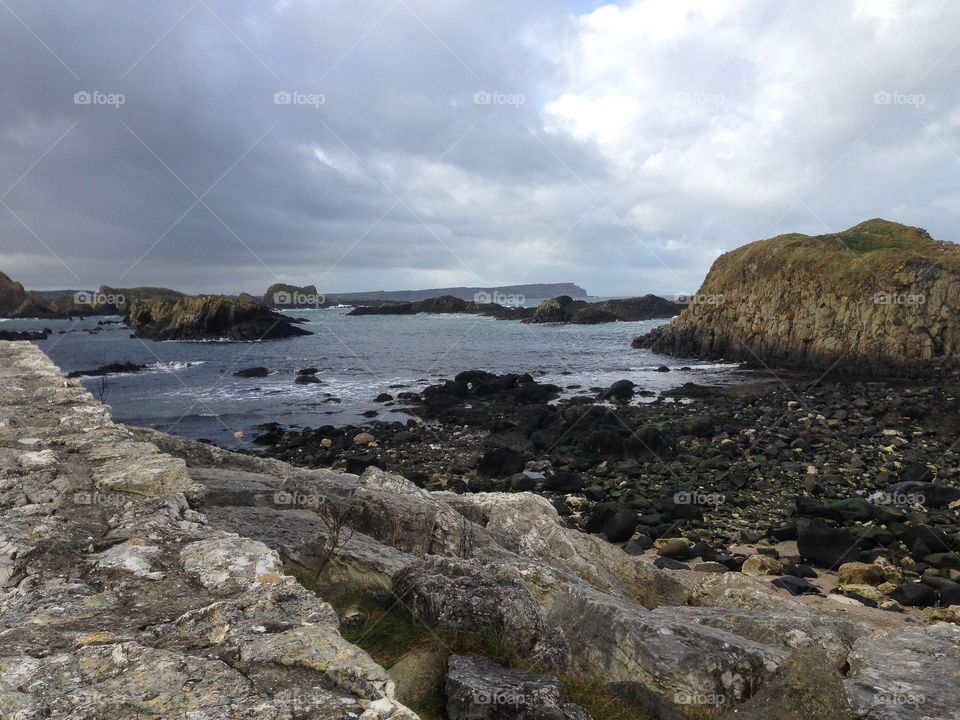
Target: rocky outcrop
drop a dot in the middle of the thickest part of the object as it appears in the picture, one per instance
(564, 309)
(474, 294)
(282, 295)
(879, 298)
(119, 600)
(210, 317)
(561, 309)
(16, 302)
(445, 304)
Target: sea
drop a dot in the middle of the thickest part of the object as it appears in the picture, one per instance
(189, 388)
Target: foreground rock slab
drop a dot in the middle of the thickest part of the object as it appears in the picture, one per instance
(119, 600)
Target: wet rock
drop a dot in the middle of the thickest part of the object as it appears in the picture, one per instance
(307, 380)
(111, 369)
(828, 547)
(500, 462)
(796, 585)
(252, 372)
(620, 391)
(615, 522)
(915, 594)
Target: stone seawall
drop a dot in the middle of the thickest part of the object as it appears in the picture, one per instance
(119, 600)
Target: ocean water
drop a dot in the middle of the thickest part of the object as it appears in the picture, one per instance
(189, 387)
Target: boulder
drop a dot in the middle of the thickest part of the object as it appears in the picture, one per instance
(858, 573)
(500, 462)
(828, 547)
(761, 565)
(615, 522)
(253, 372)
(478, 689)
(906, 674)
(674, 658)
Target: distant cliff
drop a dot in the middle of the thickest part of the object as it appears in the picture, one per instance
(879, 298)
(503, 295)
(209, 317)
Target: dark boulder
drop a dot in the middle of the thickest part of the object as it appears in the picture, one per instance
(253, 372)
(501, 462)
(828, 547)
(615, 522)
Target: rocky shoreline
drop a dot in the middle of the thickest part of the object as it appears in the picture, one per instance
(840, 472)
(145, 575)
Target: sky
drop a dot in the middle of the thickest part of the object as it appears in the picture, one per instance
(224, 145)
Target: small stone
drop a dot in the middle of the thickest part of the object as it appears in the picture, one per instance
(363, 438)
(858, 573)
(757, 565)
(675, 548)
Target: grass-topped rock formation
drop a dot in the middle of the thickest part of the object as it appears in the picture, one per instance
(879, 298)
(209, 317)
(15, 301)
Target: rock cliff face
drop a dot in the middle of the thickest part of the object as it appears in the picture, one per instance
(209, 317)
(879, 298)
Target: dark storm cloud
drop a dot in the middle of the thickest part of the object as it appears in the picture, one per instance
(430, 143)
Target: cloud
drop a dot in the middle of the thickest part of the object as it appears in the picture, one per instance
(405, 143)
